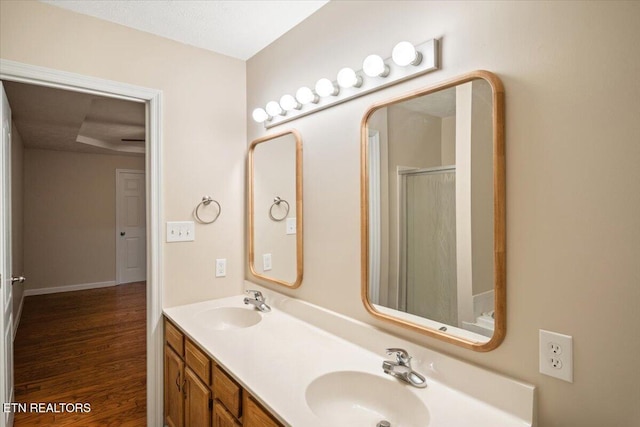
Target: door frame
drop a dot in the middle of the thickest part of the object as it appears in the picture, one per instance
(119, 243)
(41, 76)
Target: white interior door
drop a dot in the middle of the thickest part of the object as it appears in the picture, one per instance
(131, 233)
(6, 315)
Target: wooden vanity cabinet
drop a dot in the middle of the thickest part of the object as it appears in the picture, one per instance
(199, 393)
(187, 379)
(255, 415)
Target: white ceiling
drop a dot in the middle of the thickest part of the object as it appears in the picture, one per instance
(62, 120)
(237, 28)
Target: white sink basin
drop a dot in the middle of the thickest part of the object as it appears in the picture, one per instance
(350, 398)
(224, 318)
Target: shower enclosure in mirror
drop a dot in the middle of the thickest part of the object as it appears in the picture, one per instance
(275, 208)
(433, 217)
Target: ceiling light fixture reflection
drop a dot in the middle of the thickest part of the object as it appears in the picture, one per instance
(404, 53)
(325, 87)
(374, 66)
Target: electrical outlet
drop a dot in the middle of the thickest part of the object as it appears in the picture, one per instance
(556, 355)
(266, 262)
(221, 267)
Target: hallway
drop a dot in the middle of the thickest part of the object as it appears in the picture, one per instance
(83, 347)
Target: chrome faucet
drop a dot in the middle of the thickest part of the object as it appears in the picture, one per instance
(257, 301)
(401, 368)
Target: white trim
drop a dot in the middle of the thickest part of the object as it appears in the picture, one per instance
(31, 74)
(68, 288)
(374, 216)
(16, 320)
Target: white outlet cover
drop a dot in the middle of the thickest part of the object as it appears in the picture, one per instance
(266, 262)
(221, 267)
(556, 355)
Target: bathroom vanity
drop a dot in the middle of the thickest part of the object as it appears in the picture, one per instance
(198, 390)
(227, 364)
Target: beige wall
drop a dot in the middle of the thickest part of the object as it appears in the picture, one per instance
(203, 127)
(69, 216)
(17, 223)
(573, 196)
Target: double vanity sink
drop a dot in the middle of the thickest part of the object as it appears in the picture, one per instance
(312, 367)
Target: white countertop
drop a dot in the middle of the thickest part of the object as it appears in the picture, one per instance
(292, 345)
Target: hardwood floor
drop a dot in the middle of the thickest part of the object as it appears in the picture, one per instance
(83, 347)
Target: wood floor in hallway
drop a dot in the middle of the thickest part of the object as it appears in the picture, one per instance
(83, 347)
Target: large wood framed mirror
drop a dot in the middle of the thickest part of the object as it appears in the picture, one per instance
(275, 208)
(433, 211)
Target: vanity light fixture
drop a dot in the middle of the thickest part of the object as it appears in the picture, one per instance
(305, 96)
(404, 53)
(289, 103)
(374, 66)
(406, 62)
(325, 87)
(274, 109)
(260, 115)
(348, 78)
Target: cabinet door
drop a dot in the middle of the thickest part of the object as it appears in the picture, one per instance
(222, 417)
(173, 383)
(197, 412)
(255, 415)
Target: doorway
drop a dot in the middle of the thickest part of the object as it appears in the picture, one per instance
(16, 72)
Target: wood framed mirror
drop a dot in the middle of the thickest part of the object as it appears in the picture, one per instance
(275, 208)
(433, 211)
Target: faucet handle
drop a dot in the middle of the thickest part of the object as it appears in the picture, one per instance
(257, 295)
(401, 355)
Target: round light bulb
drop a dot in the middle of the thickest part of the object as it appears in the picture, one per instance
(304, 95)
(348, 78)
(325, 87)
(374, 66)
(404, 53)
(260, 115)
(288, 103)
(273, 108)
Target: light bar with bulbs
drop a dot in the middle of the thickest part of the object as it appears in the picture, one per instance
(407, 61)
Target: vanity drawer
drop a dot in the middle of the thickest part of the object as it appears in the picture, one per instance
(227, 391)
(174, 337)
(255, 415)
(198, 361)
(222, 417)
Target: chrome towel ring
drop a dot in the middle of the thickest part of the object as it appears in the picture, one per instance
(276, 202)
(206, 201)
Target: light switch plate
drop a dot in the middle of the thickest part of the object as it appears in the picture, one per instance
(291, 226)
(180, 231)
(556, 355)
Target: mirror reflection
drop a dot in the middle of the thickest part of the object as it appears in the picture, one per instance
(275, 208)
(430, 213)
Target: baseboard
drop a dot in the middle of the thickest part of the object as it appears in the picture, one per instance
(68, 288)
(16, 321)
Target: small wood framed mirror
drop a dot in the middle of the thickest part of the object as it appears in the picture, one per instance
(275, 208)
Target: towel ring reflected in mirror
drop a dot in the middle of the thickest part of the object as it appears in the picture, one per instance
(276, 202)
(206, 201)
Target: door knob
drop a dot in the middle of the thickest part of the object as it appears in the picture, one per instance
(19, 279)
(122, 233)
